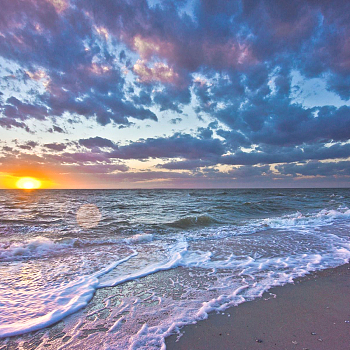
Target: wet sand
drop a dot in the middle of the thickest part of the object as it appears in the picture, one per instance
(313, 313)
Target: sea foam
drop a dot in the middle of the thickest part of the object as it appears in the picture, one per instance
(35, 247)
(50, 307)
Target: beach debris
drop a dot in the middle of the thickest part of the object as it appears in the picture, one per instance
(258, 340)
(319, 339)
(294, 342)
(346, 321)
(313, 333)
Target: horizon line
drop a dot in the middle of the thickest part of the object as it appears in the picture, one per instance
(173, 188)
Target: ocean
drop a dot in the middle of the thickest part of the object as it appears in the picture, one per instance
(123, 269)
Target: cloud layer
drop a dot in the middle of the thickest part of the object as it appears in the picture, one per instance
(222, 74)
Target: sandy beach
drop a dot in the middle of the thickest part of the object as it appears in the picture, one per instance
(313, 313)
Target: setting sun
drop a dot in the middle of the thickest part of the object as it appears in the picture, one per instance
(28, 183)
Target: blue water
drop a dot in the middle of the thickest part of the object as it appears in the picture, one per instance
(124, 268)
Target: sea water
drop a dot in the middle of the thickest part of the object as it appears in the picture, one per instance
(123, 269)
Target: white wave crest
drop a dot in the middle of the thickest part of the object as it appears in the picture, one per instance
(140, 238)
(35, 247)
(298, 219)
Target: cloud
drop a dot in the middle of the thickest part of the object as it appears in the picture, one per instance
(177, 145)
(55, 146)
(56, 128)
(143, 98)
(187, 164)
(230, 64)
(171, 98)
(316, 168)
(81, 157)
(159, 72)
(277, 154)
(94, 142)
(148, 47)
(60, 48)
(29, 145)
(176, 120)
(9, 123)
(17, 110)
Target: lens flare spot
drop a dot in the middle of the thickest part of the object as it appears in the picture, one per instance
(28, 183)
(88, 216)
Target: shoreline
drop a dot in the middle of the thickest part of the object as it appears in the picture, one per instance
(311, 313)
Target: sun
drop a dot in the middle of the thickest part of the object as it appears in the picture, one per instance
(28, 183)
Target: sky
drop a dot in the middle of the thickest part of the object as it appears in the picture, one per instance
(175, 94)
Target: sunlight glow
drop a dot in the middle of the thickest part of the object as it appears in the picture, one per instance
(28, 183)
(88, 216)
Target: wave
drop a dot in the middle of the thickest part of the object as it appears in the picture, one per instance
(39, 247)
(73, 296)
(35, 247)
(298, 220)
(254, 277)
(139, 238)
(251, 276)
(61, 302)
(193, 221)
(176, 258)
